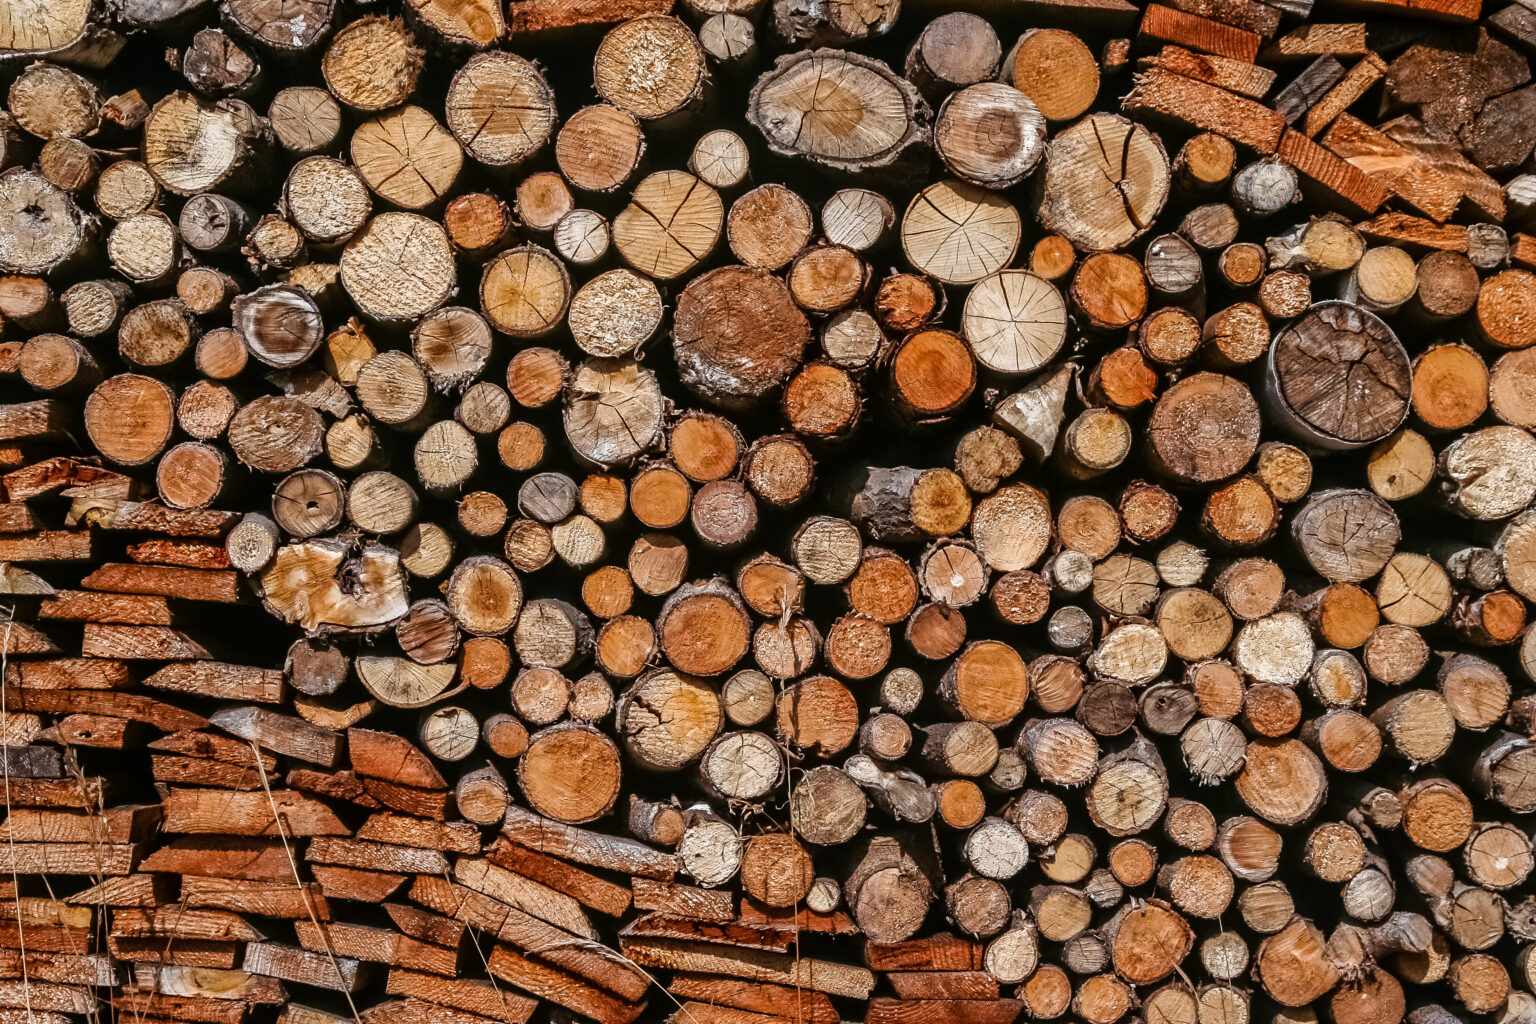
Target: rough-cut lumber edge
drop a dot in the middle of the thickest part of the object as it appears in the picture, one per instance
(107, 514)
(221, 681)
(585, 847)
(132, 706)
(1167, 25)
(529, 17)
(803, 918)
(952, 1011)
(1349, 89)
(1340, 40)
(755, 965)
(1118, 15)
(1237, 76)
(559, 987)
(1446, 156)
(1378, 155)
(1460, 11)
(1345, 185)
(216, 585)
(1522, 250)
(1205, 107)
(1406, 229)
(942, 952)
(682, 900)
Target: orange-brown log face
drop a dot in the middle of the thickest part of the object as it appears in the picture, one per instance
(934, 372)
(991, 683)
(571, 775)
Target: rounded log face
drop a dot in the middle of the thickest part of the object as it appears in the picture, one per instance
(614, 313)
(1204, 428)
(990, 134)
(43, 225)
(1106, 180)
(599, 147)
(959, 233)
(1015, 322)
(1347, 536)
(666, 719)
(570, 773)
(990, 682)
(191, 146)
(281, 324)
(671, 225)
(1056, 70)
(613, 411)
(406, 157)
(525, 291)
(1282, 780)
(737, 335)
(500, 108)
(130, 418)
(39, 27)
(651, 67)
(818, 714)
(1150, 943)
(704, 629)
(371, 64)
(1339, 377)
(399, 267)
(838, 109)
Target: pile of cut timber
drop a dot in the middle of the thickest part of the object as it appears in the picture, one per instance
(767, 511)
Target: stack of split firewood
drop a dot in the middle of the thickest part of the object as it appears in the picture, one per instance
(765, 511)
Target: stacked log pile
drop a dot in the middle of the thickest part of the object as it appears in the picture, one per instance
(748, 511)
